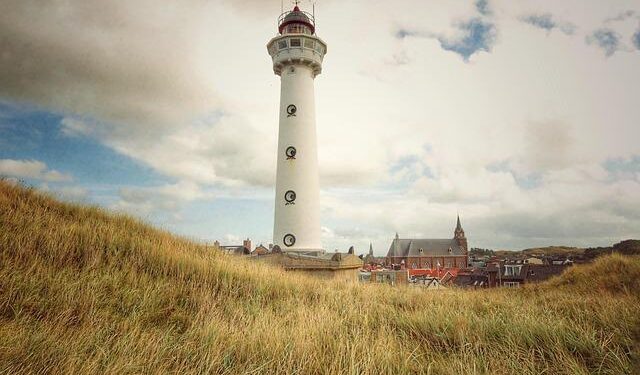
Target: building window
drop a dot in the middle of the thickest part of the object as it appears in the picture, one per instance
(282, 44)
(295, 43)
(510, 270)
(511, 284)
(448, 264)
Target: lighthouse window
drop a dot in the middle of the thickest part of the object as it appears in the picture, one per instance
(282, 44)
(308, 43)
(319, 48)
(295, 43)
(289, 240)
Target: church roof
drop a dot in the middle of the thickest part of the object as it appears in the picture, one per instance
(424, 247)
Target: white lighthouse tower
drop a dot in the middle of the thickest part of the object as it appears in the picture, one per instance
(297, 55)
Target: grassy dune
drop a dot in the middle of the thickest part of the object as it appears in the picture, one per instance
(88, 292)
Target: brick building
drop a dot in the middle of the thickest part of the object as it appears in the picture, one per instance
(430, 253)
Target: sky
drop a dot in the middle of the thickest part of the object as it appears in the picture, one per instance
(520, 116)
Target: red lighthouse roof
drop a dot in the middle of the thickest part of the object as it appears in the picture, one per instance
(296, 17)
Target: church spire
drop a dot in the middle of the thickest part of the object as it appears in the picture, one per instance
(459, 237)
(459, 232)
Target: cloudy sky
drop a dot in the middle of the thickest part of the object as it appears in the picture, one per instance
(522, 116)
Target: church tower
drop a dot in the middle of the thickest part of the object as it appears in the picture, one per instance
(458, 235)
(297, 55)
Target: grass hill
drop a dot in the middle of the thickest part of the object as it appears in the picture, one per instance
(626, 247)
(89, 292)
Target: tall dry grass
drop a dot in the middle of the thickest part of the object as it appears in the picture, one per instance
(88, 292)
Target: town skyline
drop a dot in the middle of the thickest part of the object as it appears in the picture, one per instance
(522, 118)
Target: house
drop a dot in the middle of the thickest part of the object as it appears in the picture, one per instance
(471, 278)
(426, 282)
(392, 277)
(533, 260)
(430, 253)
(442, 275)
(244, 249)
(518, 274)
(260, 250)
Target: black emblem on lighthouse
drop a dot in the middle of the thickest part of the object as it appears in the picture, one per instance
(291, 110)
(291, 152)
(289, 240)
(290, 197)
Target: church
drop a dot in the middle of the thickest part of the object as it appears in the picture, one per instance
(430, 253)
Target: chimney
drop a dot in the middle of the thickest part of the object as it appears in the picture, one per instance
(247, 244)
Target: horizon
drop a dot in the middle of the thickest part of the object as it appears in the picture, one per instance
(520, 117)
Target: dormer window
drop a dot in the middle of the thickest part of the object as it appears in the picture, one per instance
(512, 270)
(421, 250)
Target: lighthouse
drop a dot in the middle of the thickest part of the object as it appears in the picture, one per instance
(297, 55)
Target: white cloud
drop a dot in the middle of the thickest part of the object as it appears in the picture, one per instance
(67, 193)
(32, 169)
(74, 127)
(165, 199)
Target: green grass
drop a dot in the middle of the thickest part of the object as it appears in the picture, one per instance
(89, 292)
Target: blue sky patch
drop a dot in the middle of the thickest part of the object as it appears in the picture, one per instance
(623, 168)
(477, 35)
(527, 181)
(28, 134)
(483, 7)
(636, 39)
(607, 39)
(546, 21)
(542, 21)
